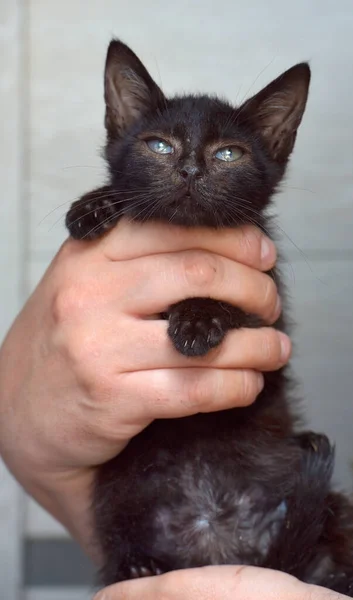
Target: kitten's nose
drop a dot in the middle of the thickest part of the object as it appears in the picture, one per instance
(189, 172)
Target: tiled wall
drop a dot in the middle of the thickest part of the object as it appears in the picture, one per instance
(51, 59)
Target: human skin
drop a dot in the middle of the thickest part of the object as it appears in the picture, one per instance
(218, 583)
(87, 364)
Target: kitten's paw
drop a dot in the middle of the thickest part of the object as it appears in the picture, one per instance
(195, 337)
(92, 215)
(198, 324)
(135, 572)
(317, 443)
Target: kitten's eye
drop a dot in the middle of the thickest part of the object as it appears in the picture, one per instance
(229, 154)
(160, 147)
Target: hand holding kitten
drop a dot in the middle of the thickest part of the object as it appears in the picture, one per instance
(85, 367)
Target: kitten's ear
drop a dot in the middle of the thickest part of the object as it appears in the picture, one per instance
(129, 90)
(276, 111)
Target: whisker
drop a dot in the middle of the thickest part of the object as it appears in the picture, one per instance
(83, 200)
(102, 167)
(82, 167)
(256, 78)
(96, 227)
(256, 222)
(300, 189)
(97, 208)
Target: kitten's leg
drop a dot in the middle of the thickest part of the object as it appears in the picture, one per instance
(297, 547)
(93, 214)
(198, 324)
(337, 541)
(340, 581)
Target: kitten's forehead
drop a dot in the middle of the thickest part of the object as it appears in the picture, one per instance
(196, 120)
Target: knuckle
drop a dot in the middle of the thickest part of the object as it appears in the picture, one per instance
(270, 294)
(198, 393)
(270, 347)
(250, 243)
(84, 348)
(157, 398)
(65, 303)
(82, 351)
(156, 392)
(201, 269)
(248, 386)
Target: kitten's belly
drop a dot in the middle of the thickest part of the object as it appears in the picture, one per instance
(206, 517)
(194, 492)
(214, 522)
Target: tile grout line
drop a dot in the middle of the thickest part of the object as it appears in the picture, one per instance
(24, 215)
(24, 126)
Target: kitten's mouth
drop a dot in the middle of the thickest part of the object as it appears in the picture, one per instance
(184, 203)
(185, 198)
(188, 210)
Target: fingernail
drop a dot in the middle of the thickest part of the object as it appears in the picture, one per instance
(286, 346)
(266, 248)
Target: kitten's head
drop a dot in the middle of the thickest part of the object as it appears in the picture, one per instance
(196, 160)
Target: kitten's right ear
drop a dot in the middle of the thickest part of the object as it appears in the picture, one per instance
(276, 111)
(129, 90)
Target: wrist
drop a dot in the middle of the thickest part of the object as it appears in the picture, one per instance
(67, 497)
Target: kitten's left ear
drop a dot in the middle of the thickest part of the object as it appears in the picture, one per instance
(276, 111)
(129, 90)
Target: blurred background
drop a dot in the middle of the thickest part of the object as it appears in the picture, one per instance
(51, 131)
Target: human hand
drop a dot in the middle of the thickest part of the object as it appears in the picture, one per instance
(218, 583)
(86, 366)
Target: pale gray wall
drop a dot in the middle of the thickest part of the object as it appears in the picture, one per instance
(51, 58)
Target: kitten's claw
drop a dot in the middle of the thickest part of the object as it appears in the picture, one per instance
(197, 337)
(136, 572)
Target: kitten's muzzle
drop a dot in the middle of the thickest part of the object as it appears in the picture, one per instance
(190, 172)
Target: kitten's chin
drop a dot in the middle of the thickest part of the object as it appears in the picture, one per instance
(188, 211)
(185, 211)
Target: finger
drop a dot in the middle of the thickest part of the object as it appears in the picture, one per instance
(173, 393)
(218, 583)
(246, 244)
(146, 588)
(160, 281)
(149, 347)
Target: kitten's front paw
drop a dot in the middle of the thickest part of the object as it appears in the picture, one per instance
(195, 337)
(198, 324)
(92, 215)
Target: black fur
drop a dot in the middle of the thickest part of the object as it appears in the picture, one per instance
(240, 486)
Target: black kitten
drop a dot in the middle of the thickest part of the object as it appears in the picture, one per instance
(239, 486)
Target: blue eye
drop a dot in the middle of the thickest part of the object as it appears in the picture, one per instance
(229, 154)
(160, 147)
